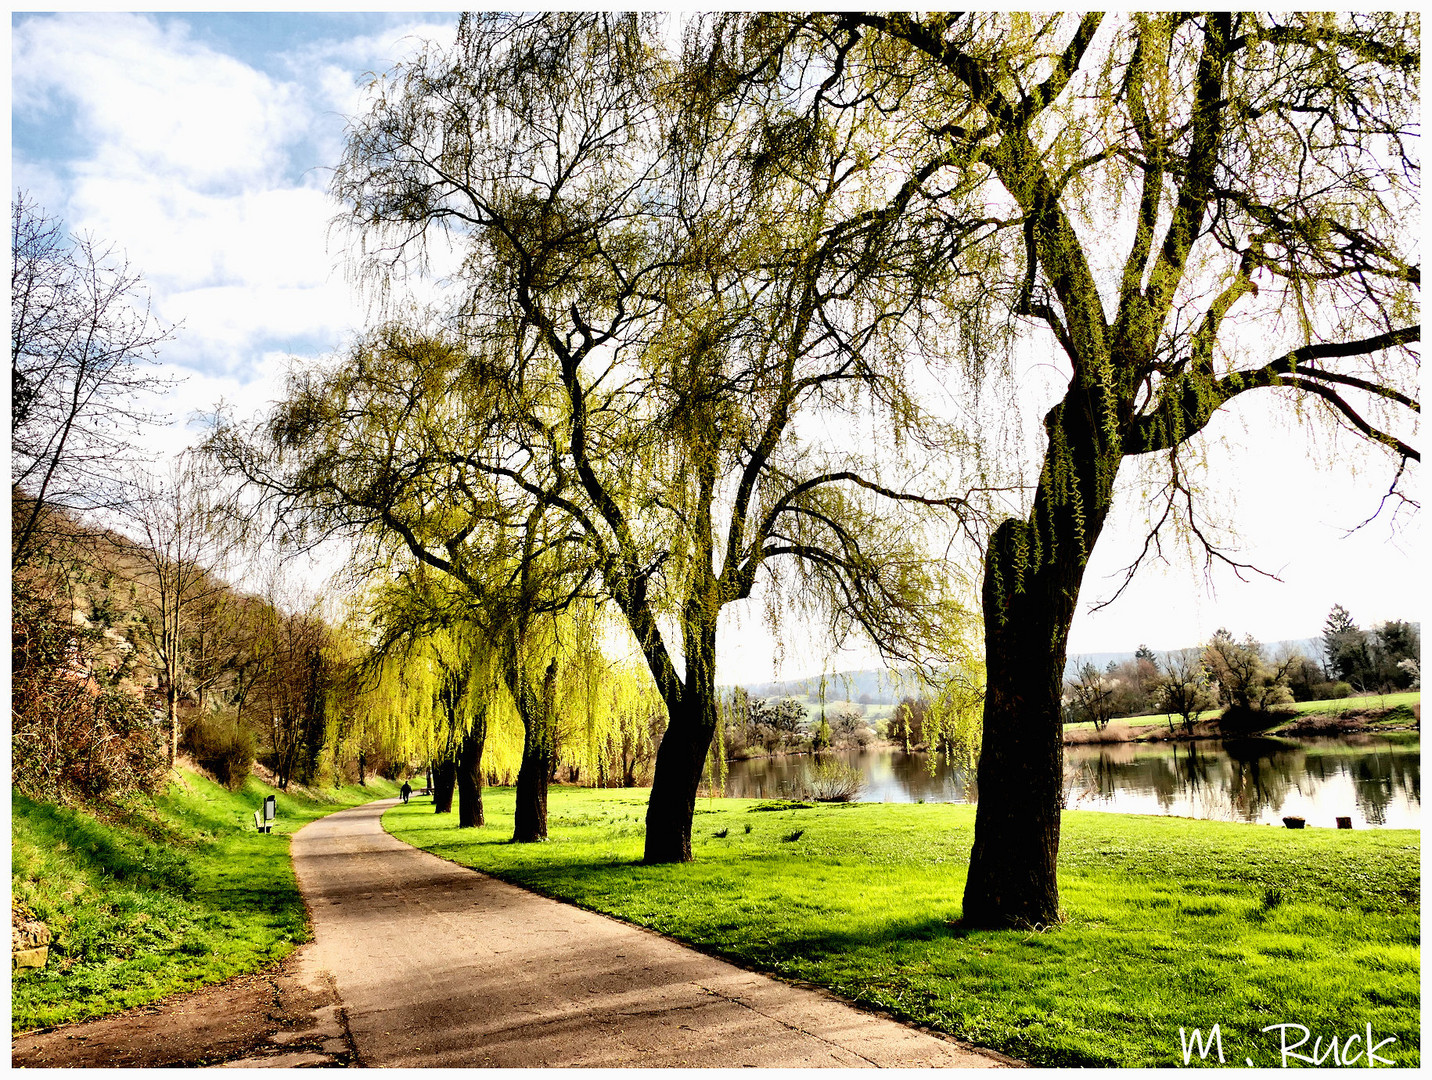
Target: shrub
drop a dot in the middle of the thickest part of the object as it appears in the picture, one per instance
(223, 748)
(833, 781)
(75, 735)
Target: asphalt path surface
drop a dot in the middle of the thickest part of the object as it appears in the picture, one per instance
(438, 965)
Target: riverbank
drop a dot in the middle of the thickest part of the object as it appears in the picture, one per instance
(162, 896)
(1169, 923)
(1347, 721)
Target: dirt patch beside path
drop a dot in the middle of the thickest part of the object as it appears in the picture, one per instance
(283, 1017)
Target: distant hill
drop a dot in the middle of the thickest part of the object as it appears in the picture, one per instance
(1312, 648)
(106, 582)
(871, 686)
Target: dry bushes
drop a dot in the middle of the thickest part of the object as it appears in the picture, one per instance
(75, 736)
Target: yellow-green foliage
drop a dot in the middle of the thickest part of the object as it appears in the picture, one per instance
(400, 704)
(600, 707)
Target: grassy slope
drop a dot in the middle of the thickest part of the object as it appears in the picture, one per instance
(148, 903)
(1170, 922)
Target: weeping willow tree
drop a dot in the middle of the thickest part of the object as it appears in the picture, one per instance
(678, 287)
(398, 447)
(1184, 210)
(451, 694)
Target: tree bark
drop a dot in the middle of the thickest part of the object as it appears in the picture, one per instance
(1012, 879)
(680, 763)
(444, 780)
(530, 817)
(171, 705)
(681, 757)
(469, 778)
(1033, 573)
(530, 823)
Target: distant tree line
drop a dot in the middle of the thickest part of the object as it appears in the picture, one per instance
(753, 725)
(1238, 675)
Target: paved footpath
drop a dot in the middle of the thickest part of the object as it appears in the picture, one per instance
(438, 965)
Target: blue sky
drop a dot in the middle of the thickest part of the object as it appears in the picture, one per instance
(201, 144)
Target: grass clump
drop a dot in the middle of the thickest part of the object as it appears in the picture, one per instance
(1169, 922)
(157, 896)
(833, 781)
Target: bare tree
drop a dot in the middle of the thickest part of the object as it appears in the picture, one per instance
(178, 551)
(288, 698)
(1091, 694)
(82, 338)
(1183, 688)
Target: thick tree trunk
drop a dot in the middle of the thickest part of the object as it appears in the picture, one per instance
(681, 757)
(530, 824)
(530, 819)
(1033, 572)
(469, 778)
(444, 780)
(1012, 878)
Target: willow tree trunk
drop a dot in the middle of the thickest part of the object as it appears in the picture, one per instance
(530, 824)
(530, 818)
(1033, 572)
(469, 778)
(443, 782)
(681, 757)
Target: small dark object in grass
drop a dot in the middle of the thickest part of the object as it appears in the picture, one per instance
(722, 834)
(792, 837)
(748, 826)
(1272, 897)
(1294, 822)
(1344, 823)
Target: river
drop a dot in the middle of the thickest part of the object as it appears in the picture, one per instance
(1374, 780)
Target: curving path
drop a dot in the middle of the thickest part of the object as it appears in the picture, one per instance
(438, 965)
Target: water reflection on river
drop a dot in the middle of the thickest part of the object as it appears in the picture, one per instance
(1375, 781)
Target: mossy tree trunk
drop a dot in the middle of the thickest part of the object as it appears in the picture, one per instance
(469, 777)
(538, 751)
(1033, 573)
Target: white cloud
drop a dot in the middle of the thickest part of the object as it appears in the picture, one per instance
(156, 104)
(203, 170)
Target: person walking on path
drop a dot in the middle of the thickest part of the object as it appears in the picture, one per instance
(407, 790)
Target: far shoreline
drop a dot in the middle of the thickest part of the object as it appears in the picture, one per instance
(1280, 724)
(1350, 722)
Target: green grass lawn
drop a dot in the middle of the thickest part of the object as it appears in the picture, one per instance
(1169, 922)
(1365, 701)
(161, 897)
